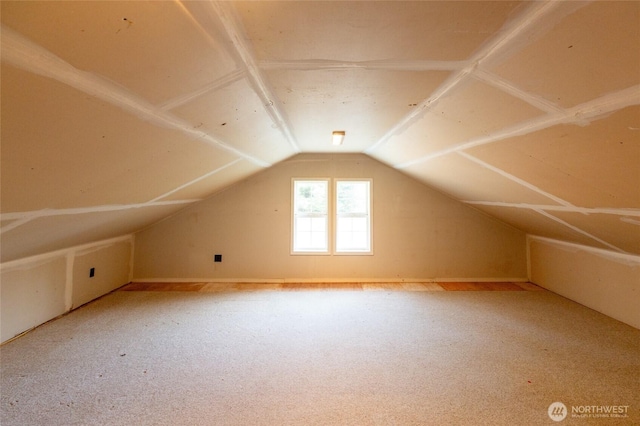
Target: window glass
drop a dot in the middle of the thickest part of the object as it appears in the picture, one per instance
(310, 211)
(353, 222)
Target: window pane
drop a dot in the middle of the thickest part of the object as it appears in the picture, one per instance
(303, 239)
(311, 197)
(319, 235)
(359, 224)
(318, 224)
(352, 234)
(352, 197)
(310, 209)
(353, 225)
(310, 234)
(304, 224)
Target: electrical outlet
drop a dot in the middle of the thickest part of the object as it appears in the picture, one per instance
(92, 272)
(217, 258)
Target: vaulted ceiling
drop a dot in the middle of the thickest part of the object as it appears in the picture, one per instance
(117, 114)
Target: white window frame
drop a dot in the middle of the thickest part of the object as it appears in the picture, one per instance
(331, 219)
(295, 216)
(368, 215)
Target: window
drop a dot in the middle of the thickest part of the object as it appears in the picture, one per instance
(350, 209)
(353, 224)
(311, 216)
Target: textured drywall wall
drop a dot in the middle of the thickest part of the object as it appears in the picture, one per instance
(606, 282)
(37, 289)
(417, 233)
(31, 295)
(111, 266)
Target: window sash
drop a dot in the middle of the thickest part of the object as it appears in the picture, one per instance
(353, 216)
(310, 216)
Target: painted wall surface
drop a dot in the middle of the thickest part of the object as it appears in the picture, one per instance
(112, 266)
(31, 295)
(417, 233)
(606, 282)
(37, 289)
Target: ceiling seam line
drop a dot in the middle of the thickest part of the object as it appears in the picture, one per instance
(16, 224)
(567, 209)
(389, 65)
(211, 87)
(513, 30)
(198, 179)
(526, 20)
(577, 115)
(44, 257)
(575, 228)
(509, 88)
(419, 110)
(28, 56)
(269, 100)
(626, 257)
(85, 210)
(513, 178)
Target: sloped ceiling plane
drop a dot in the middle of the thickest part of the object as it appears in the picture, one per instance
(117, 114)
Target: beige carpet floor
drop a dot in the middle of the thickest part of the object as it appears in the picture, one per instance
(321, 358)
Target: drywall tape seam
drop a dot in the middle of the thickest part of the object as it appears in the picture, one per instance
(29, 262)
(24, 54)
(385, 64)
(507, 87)
(514, 179)
(575, 228)
(96, 209)
(591, 110)
(625, 258)
(499, 44)
(211, 173)
(212, 87)
(68, 285)
(233, 29)
(564, 208)
(25, 217)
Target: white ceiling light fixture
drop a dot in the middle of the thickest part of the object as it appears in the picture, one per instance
(337, 137)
